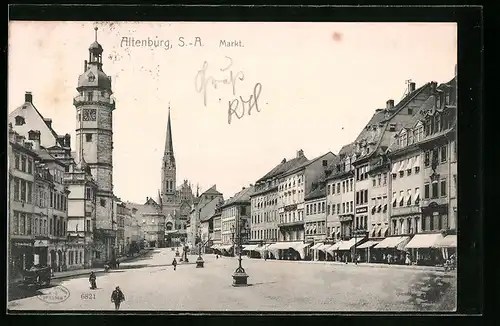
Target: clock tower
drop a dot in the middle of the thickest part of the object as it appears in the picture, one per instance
(94, 131)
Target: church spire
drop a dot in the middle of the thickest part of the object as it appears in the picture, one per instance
(169, 147)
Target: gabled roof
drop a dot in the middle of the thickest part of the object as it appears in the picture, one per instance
(305, 164)
(318, 192)
(209, 209)
(143, 209)
(239, 197)
(284, 167)
(30, 104)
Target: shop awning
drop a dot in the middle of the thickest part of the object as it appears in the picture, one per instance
(225, 247)
(316, 246)
(368, 244)
(402, 167)
(262, 248)
(424, 240)
(392, 242)
(347, 245)
(335, 246)
(395, 168)
(301, 246)
(283, 245)
(250, 247)
(416, 163)
(450, 241)
(214, 247)
(324, 247)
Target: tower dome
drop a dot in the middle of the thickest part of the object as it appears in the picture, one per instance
(95, 47)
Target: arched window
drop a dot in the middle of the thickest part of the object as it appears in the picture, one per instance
(91, 77)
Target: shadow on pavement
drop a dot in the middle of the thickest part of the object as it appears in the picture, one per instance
(18, 291)
(260, 283)
(429, 290)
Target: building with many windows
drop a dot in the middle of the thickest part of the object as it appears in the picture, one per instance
(315, 224)
(235, 220)
(264, 219)
(293, 185)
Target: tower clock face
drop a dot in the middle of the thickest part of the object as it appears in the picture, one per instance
(89, 114)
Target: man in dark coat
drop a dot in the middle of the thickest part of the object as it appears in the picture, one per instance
(117, 297)
(92, 280)
(174, 263)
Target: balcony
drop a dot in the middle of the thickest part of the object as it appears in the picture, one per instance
(95, 99)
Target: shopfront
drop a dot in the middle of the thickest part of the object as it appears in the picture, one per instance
(41, 252)
(21, 256)
(391, 250)
(423, 249)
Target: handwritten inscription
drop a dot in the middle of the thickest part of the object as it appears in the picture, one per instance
(237, 106)
(252, 102)
(202, 80)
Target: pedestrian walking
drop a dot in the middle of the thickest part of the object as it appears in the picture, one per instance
(117, 297)
(118, 264)
(217, 256)
(92, 280)
(174, 263)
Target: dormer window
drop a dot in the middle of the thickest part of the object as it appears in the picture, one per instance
(91, 77)
(392, 127)
(20, 120)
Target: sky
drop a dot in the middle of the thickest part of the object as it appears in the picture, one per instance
(309, 86)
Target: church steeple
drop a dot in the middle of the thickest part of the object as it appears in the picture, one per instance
(169, 147)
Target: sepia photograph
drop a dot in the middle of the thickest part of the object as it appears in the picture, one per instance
(232, 166)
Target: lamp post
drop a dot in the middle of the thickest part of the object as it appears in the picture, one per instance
(199, 260)
(240, 277)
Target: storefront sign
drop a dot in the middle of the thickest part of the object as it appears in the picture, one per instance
(290, 207)
(41, 243)
(27, 244)
(361, 210)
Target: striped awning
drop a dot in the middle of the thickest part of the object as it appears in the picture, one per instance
(250, 247)
(316, 246)
(368, 244)
(450, 241)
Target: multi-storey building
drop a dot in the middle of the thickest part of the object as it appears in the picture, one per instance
(122, 212)
(21, 165)
(217, 227)
(235, 220)
(437, 143)
(193, 225)
(315, 218)
(264, 203)
(340, 195)
(151, 220)
(205, 216)
(293, 185)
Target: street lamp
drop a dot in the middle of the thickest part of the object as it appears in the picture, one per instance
(240, 277)
(199, 260)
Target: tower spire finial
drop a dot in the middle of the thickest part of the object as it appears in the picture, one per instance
(96, 28)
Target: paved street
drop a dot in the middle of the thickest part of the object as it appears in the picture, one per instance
(149, 283)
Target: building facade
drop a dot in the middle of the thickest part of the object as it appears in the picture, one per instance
(235, 220)
(264, 203)
(293, 185)
(122, 213)
(315, 223)
(152, 222)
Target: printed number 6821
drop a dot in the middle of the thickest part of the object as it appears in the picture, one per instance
(88, 296)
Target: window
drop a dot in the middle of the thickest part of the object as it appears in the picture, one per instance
(443, 154)
(329, 189)
(91, 77)
(30, 192)
(408, 200)
(333, 209)
(351, 182)
(417, 196)
(103, 202)
(88, 137)
(352, 210)
(16, 189)
(401, 198)
(322, 207)
(357, 197)
(19, 120)
(325, 162)
(443, 187)
(374, 181)
(379, 179)
(23, 190)
(343, 186)
(338, 208)
(23, 163)
(338, 188)
(328, 210)
(427, 158)
(434, 190)
(410, 111)
(366, 196)
(426, 191)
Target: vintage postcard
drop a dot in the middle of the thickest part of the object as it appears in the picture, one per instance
(184, 166)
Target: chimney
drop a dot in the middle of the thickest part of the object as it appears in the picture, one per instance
(411, 87)
(48, 122)
(28, 97)
(85, 66)
(242, 188)
(300, 153)
(433, 87)
(34, 136)
(28, 145)
(283, 161)
(251, 185)
(389, 104)
(67, 140)
(378, 110)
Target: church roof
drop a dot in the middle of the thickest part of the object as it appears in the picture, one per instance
(169, 147)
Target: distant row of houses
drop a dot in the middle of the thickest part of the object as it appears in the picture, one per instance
(389, 194)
